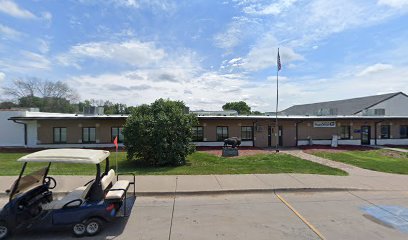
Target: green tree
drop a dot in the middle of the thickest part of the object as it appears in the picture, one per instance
(258, 113)
(241, 107)
(159, 133)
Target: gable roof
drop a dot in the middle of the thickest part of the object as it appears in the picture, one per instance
(342, 107)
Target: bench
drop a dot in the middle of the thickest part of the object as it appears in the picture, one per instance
(116, 193)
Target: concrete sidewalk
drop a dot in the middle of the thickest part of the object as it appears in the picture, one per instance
(358, 179)
(210, 184)
(350, 169)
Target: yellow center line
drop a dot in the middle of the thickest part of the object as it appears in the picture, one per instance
(301, 217)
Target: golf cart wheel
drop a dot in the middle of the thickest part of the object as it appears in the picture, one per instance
(93, 226)
(79, 229)
(4, 231)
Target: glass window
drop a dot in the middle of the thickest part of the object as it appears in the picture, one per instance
(385, 131)
(345, 132)
(88, 135)
(246, 133)
(198, 134)
(222, 133)
(117, 131)
(60, 135)
(403, 131)
(379, 111)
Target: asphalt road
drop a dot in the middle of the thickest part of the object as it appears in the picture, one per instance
(301, 215)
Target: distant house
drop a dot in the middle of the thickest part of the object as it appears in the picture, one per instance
(372, 120)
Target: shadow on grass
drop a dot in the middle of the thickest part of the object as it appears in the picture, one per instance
(142, 167)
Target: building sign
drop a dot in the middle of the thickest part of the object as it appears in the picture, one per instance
(324, 124)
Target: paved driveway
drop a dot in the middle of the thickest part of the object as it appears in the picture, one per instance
(301, 215)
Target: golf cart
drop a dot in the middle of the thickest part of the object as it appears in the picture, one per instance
(31, 203)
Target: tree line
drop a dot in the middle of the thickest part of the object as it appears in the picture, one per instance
(51, 96)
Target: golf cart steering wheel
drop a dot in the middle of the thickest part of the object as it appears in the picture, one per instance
(51, 182)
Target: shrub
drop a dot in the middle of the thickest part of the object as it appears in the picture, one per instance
(159, 133)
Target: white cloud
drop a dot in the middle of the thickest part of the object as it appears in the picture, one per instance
(236, 32)
(11, 8)
(35, 60)
(394, 3)
(47, 16)
(43, 46)
(26, 62)
(316, 20)
(264, 54)
(373, 69)
(2, 76)
(131, 52)
(127, 3)
(8, 32)
(269, 9)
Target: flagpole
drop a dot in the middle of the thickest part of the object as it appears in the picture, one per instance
(116, 160)
(277, 99)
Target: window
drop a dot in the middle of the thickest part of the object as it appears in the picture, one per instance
(403, 131)
(88, 135)
(60, 135)
(385, 131)
(379, 111)
(345, 132)
(246, 133)
(117, 131)
(222, 133)
(198, 134)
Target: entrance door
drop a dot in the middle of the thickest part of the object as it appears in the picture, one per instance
(269, 136)
(280, 136)
(365, 135)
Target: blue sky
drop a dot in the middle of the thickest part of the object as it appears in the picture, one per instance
(208, 52)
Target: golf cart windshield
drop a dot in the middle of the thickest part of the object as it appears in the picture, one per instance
(29, 181)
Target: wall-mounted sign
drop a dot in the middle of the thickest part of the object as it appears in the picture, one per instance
(324, 124)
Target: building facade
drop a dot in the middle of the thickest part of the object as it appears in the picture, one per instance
(378, 120)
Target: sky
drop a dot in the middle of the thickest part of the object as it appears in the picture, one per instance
(208, 52)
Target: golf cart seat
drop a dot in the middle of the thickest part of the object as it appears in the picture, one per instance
(118, 190)
(114, 192)
(74, 198)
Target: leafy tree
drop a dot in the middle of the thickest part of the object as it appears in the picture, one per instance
(159, 133)
(241, 107)
(7, 105)
(258, 113)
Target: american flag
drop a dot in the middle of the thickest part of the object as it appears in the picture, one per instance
(279, 62)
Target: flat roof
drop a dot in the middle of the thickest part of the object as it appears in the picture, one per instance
(67, 116)
(67, 155)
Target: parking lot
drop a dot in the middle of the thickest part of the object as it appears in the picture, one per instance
(292, 215)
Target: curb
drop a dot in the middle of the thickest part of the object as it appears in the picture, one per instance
(233, 191)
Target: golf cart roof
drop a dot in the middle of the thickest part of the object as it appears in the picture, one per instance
(67, 156)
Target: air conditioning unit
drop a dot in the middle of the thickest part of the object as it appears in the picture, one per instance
(89, 110)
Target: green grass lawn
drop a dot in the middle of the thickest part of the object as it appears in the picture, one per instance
(377, 160)
(197, 163)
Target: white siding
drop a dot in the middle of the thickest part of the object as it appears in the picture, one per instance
(11, 133)
(395, 106)
(31, 133)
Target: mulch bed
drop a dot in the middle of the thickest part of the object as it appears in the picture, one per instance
(243, 151)
(326, 148)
